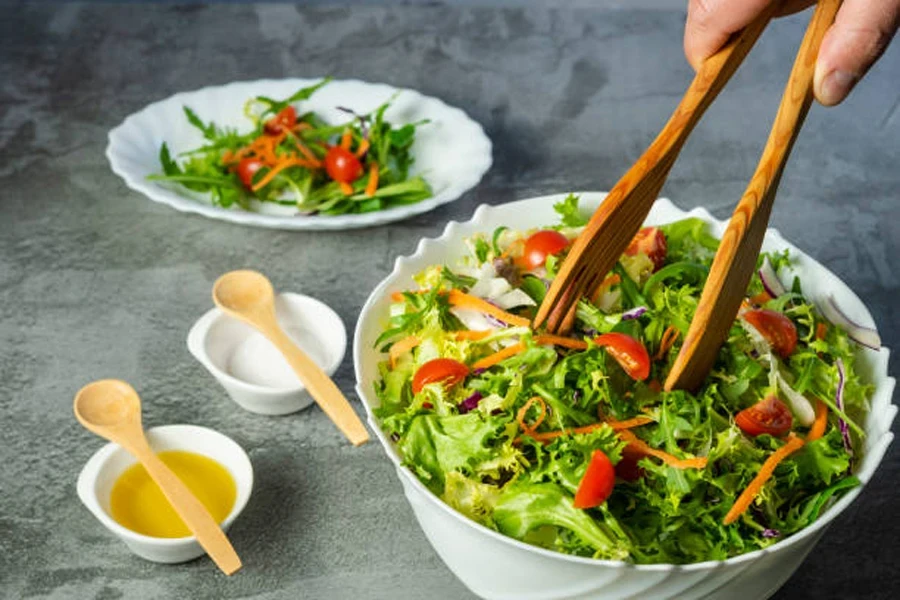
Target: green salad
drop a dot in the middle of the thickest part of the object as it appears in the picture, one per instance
(294, 157)
(571, 444)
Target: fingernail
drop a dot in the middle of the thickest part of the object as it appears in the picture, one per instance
(835, 87)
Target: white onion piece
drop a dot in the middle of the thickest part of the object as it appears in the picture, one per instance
(866, 336)
(770, 279)
(513, 299)
(472, 319)
(800, 406)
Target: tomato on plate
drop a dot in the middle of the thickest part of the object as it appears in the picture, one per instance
(770, 415)
(446, 370)
(778, 330)
(597, 483)
(285, 119)
(652, 242)
(628, 352)
(246, 169)
(342, 165)
(542, 244)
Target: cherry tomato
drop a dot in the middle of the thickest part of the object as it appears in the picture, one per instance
(246, 169)
(628, 352)
(342, 165)
(597, 483)
(778, 330)
(446, 370)
(542, 244)
(652, 242)
(285, 119)
(770, 416)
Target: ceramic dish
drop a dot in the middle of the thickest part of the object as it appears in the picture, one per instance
(451, 152)
(103, 469)
(252, 370)
(498, 567)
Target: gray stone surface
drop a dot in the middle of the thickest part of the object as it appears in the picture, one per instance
(96, 281)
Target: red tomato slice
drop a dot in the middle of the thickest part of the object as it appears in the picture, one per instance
(652, 242)
(770, 416)
(285, 119)
(246, 169)
(597, 483)
(447, 370)
(542, 244)
(342, 165)
(778, 330)
(628, 352)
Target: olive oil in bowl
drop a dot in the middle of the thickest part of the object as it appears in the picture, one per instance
(136, 502)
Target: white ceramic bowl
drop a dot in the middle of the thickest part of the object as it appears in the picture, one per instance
(103, 469)
(502, 568)
(250, 368)
(451, 153)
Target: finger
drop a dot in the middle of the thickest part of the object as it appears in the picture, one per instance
(861, 32)
(711, 22)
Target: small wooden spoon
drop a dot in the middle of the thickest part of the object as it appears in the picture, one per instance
(112, 409)
(248, 296)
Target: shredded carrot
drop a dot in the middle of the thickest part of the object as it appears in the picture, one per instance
(463, 300)
(346, 188)
(607, 283)
(346, 139)
(472, 334)
(821, 331)
(497, 357)
(638, 445)
(301, 126)
(363, 148)
(520, 416)
(308, 154)
(746, 498)
(372, 184)
(818, 427)
(398, 296)
(761, 298)
(401, 347)
(615, 425)
(667, 341)
(558, 340)
(629, 423)
(509, 249)
(291, 162)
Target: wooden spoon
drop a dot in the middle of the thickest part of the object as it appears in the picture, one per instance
(112, 409)
(735, 260)
(248, 296)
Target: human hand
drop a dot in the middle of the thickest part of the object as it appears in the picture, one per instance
(860, 33)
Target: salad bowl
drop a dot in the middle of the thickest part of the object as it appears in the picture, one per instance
(499, 567)
(451, 151)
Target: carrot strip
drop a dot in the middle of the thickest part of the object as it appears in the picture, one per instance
(398, 296)
(472, 334)
(629, 423)
(511, 247)
(463, 300)
(818, 427)
(346, 139)
(346, 188)
(520, 416)
(761, 298)
(489, 361)
(308, 154)
(401, 347)
(667, 341)
(638, 445)
(363, 148)
(746, 498)
(607, 283)
(558, 340)
(821, 331)
(615, 425)
(291, 162)
(372, 185)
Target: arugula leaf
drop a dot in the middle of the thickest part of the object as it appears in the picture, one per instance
(208, 131)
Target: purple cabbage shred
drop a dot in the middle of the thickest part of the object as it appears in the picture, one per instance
(470, 403)
(634, 313)
(839, 402)
(771, 533)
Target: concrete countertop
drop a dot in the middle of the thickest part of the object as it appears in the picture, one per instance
(97, 281)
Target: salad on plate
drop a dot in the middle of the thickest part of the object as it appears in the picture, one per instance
(294, 157)
(569, 442)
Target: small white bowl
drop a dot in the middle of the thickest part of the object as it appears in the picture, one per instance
(103, 469)
(252, 370)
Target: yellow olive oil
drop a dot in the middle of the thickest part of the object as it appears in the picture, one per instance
(137, 502)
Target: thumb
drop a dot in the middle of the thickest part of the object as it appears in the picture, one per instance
(861, 32)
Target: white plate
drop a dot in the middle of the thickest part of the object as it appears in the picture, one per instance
(495, 566)
(451, 153)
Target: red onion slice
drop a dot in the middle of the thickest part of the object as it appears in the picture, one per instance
(770, 279)
(866, 336)
(470, 403)
(839, 402)
(634, 313)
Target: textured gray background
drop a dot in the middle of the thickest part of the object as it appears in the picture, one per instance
(96, 281)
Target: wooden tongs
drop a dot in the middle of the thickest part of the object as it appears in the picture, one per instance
(622, 212)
